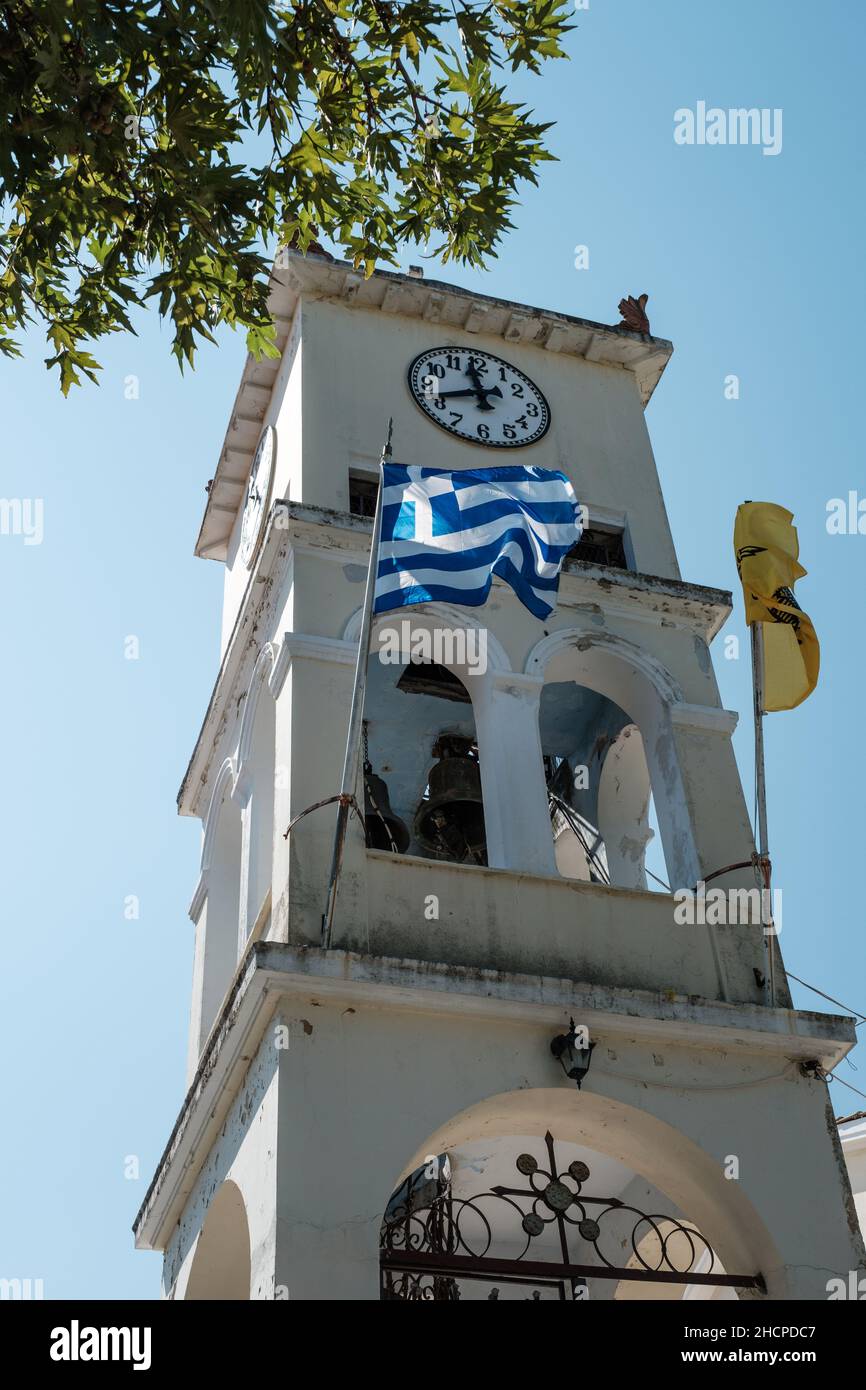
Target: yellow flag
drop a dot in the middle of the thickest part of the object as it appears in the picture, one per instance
(767, 551)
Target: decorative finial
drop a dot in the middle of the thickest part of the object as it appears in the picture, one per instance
(386, 450)
(313, 248)
(634, 313)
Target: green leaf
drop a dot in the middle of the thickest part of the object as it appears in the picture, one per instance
(130, 137)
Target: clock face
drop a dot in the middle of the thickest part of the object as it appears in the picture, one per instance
(258, 495)
(479, 397)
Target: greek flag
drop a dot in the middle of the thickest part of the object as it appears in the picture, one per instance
(445, 534)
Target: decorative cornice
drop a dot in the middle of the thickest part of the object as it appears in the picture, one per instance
(299, 644)
(529, 685)
(707, 718)
(647, 598)
(633, 595)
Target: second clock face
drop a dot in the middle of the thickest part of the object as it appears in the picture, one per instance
(258, 495)
(479, 397)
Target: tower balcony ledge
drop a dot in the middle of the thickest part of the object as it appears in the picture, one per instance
(277, 978)
(539, 924)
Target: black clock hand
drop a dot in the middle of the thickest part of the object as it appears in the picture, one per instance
(473, 391)
(472, 373)
(481, 391)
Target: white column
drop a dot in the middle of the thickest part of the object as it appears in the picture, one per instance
(623, 809)
(516, 815)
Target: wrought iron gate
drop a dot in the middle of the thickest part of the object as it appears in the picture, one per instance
(431, 1241)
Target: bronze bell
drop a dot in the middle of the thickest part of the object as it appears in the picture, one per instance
(384, 829)
(449, 823)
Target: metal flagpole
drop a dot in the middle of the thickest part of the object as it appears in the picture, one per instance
(350, 762)
(757, 635)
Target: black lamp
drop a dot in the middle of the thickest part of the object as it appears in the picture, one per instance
(573, 1059)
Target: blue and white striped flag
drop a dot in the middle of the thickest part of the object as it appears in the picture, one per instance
(445, 534)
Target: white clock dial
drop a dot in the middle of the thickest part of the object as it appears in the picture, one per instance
(479, 397)
(258, 495)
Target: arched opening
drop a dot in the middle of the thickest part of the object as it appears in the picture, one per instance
(423, 792)
(598, 786)
(611, 762)
(667, 1241)
(530, 1195)
(258, 774)
(221, 868)
(221, 1263)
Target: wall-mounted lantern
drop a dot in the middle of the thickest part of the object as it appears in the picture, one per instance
(572, 1057)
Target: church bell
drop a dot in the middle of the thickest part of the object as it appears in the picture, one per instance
(384, 830)
(449, 823)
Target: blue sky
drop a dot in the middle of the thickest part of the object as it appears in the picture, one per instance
(754, 267)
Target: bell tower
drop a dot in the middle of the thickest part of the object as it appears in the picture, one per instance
(509, 997)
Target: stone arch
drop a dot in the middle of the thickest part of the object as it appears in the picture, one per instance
(637, 682)
(260, 680)
(224, 783)
(402, 738)
(619, 649)
(690, 1178)
(504, 704)
(430, 616)
(216, 906)
(221, 1262)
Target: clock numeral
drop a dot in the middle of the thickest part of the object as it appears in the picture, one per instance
(503, 375)
(532, 410)
(431, 386)
(456, 417)
(521, 421)
(509, 431)
(479, 364)
(453, 361)
(437, 400)
(516, 389)
(436, 369)
(483, 432)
